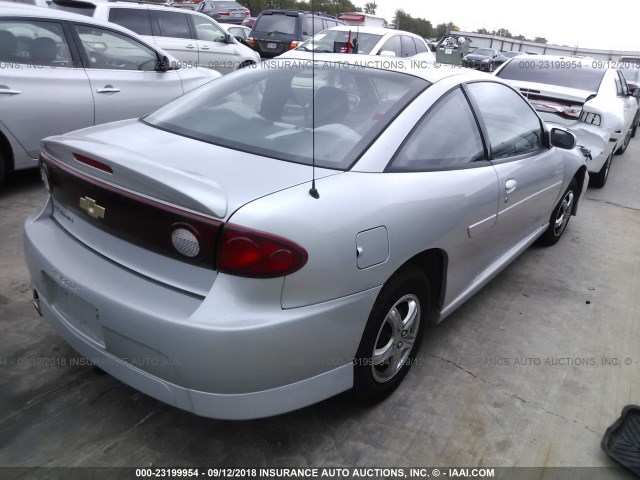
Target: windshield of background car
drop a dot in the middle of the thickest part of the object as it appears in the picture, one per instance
(276, 23)
(484, 51)
(293, 110)
(326, 41)
(563, 73)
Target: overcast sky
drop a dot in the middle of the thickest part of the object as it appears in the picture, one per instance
(610, 25)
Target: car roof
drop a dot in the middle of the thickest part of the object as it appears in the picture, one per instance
(9, 9)
(373, 30)
(427, 70)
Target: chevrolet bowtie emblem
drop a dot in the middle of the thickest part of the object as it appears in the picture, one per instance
(93, 210)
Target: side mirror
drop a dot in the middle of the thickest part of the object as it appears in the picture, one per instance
(228, 38)
(387, 53)
(561, 138)
(162, 64)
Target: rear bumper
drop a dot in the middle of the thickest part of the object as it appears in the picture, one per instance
(218, 356)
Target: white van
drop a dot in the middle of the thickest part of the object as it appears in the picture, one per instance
(193, 38)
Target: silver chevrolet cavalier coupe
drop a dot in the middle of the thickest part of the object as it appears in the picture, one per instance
(284, 234)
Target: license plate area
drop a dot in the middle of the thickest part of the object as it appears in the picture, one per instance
(83, 317)
(272, 46)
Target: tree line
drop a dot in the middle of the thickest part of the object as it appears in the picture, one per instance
(425, 29)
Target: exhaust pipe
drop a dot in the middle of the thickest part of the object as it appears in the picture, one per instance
(36, 302)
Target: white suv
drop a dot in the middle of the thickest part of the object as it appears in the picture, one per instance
(193, 38)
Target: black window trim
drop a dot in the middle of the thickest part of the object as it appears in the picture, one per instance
(484, 162)
(544, 146)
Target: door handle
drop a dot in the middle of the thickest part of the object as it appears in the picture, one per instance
(108, 89)
(190, 46)
(204, 47)
(5, 90)
(510, 186)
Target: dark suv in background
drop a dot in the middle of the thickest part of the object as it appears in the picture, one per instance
(277, 31)
(224, 11)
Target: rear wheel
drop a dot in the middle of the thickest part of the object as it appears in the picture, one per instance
(245, 64)
(635, 127)
(625, 143)
(560, 216)
(3, 169)
(599, 179)
(392, 335)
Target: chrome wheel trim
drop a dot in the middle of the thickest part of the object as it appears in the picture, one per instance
(564, 213)
(395, 338)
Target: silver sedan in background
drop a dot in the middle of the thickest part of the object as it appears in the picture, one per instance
(61, 72)
(284, 234)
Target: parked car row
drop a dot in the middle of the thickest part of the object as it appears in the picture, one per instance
(193, 38)
(365, 41)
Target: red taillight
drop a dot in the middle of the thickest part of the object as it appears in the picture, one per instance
(246, 13)
(224, 14)
(251, 253)
(293, 45)
(252, 42)
(92, 163)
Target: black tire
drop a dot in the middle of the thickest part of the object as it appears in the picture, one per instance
(625, 144)
(633, 130)
(560, 216)
(245, 64)
(3, 169)
(492, 67)
(599, 179)
(408, 287)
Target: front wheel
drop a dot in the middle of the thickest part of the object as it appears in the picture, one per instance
(392, 335)
(560, 216)
(3, 169)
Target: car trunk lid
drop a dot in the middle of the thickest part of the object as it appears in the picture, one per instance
(558, 104)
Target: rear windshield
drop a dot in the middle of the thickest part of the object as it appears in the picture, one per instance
(285, 24)
(563, 73)
(336, 40)
(293, 110)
